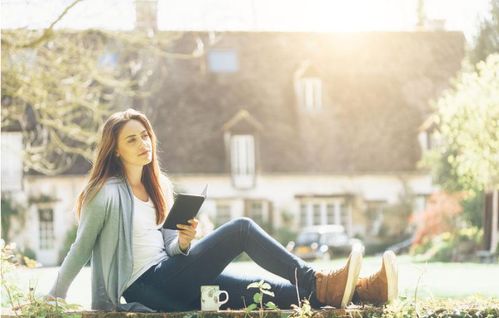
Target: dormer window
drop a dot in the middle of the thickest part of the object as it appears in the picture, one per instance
(240, 138)
(429, 137)
(310, 94)
(223, 61)
(308, 87)
(428, 140)
(242, 158)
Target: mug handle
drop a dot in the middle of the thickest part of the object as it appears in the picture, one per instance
(226, 297)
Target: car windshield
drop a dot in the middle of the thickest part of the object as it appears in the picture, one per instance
(307, 238)
(335, 238)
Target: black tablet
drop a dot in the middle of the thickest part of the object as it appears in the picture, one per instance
(185, 207)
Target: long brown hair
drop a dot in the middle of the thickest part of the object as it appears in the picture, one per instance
(107, 164)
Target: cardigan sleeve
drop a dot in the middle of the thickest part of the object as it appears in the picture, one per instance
(170, 237)
(92, 219)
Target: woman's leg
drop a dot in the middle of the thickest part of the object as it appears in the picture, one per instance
(181, 276)
(142, 291)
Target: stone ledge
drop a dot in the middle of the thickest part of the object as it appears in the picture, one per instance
(324, 313)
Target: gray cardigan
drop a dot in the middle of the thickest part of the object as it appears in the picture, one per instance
(105, 234)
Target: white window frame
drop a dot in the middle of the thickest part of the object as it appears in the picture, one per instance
(429, 140)
(242, 158)
(310, 93)
(342, 213)
(226, 205)
(46, 229)
(264, 212)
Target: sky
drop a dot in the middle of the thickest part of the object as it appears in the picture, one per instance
(249, 15)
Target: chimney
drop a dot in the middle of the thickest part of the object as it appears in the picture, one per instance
(146, 15)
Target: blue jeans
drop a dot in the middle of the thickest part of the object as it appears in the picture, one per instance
(174, 284)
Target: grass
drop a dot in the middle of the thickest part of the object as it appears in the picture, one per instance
(437, 280)
(440, 280)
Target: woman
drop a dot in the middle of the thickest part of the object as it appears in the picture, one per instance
(121, 211)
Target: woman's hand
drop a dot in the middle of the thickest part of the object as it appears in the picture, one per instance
(186, 233)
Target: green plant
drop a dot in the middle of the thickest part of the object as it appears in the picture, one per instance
(27, 304)
(263, 289)
(304, 310)
(284, 235)
(473, 207)
(11, 209)
(460, 245)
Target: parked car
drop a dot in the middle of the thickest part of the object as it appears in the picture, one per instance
(322, 242)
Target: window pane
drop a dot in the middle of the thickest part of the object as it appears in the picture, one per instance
(330, 213)
(243, 159)
(311, 93)
(223, 214)
(223, 61)
(344, 217)
(303, 214)
(317, 214)
(256, 212)
(46, 228)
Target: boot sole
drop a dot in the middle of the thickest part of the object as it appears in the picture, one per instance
(353, 276)
(390, 263)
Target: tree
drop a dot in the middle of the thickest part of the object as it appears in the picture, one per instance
(468, 123)
(487, 41)
(468, 118)
(58, 87)
(461, 114)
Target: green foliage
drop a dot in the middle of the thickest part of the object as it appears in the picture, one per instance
(486, 42)
(59, 87)
(468, 123)
(437, 308)
(448, 247)
(263, 289)
(284, 235)
(27, 304)
(10, 209)
(473, 207)
(302, 311)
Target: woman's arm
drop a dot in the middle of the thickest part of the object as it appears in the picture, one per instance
(92, 219)
(172, 247)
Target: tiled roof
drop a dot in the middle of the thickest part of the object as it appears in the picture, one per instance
(376, 93)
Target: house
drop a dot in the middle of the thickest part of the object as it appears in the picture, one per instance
(289, 129)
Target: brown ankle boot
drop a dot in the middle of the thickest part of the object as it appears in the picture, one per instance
(382, 286)
(336, 288)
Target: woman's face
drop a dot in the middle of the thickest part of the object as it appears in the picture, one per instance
(134, 144)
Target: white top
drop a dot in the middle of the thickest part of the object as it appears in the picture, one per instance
(147, 244)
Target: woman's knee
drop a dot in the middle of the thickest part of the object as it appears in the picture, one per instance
(243, 222)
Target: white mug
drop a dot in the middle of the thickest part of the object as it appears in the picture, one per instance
(210, 297)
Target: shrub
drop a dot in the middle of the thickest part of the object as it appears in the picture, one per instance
(440, 216)
(26, 303)
(450, 247)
